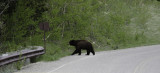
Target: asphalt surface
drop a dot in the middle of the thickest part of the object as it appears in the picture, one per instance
(132, 60)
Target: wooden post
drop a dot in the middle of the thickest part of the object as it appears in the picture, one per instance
(45, 27)
(44, 41)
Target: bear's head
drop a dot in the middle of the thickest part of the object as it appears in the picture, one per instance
(72, 42)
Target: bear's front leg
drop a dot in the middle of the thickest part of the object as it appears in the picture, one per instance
(79, 51)
(88, 52)
(76, 51)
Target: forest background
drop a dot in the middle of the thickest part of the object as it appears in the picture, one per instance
(107, 24)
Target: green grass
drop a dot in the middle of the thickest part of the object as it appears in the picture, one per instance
(53, 52)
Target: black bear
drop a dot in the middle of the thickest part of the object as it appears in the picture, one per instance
(82, 44)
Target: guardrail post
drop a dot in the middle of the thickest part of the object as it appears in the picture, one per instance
(32, 59)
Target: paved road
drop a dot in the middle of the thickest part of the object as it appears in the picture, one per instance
(133, 60)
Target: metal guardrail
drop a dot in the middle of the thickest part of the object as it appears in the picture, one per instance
(21, 55)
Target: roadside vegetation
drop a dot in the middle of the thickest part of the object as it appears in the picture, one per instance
(108, 24)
